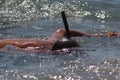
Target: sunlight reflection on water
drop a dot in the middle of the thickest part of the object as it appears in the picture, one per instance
(97, 59)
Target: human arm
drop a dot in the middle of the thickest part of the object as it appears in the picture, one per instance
(61, 33)
(108, 34)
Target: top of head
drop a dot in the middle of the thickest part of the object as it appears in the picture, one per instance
(65, 43)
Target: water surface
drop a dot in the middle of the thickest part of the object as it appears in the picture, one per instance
(97, 59)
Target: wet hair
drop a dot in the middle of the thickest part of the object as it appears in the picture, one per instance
(64, 43)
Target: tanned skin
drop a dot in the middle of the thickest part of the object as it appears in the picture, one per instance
(55, 42)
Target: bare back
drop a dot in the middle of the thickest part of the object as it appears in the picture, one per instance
(28, 44)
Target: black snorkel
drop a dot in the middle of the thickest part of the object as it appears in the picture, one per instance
(66, 42)
(68, 34)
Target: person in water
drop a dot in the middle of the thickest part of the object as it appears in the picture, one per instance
(56, 41)
(60, 39)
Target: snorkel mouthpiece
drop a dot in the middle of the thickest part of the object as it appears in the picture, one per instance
(68, 34)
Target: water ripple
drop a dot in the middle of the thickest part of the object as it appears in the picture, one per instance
(24, 10)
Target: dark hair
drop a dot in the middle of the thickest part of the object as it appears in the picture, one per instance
(64, 43)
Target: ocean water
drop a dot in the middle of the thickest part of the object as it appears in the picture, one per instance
(97, 59)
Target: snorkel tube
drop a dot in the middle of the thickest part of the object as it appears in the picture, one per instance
(68, 34)
(66, 42)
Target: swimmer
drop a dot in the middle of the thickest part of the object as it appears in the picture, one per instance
(60, 39)
(56, 41)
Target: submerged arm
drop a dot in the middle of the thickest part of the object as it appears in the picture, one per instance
(76, 33)
(108, 34)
